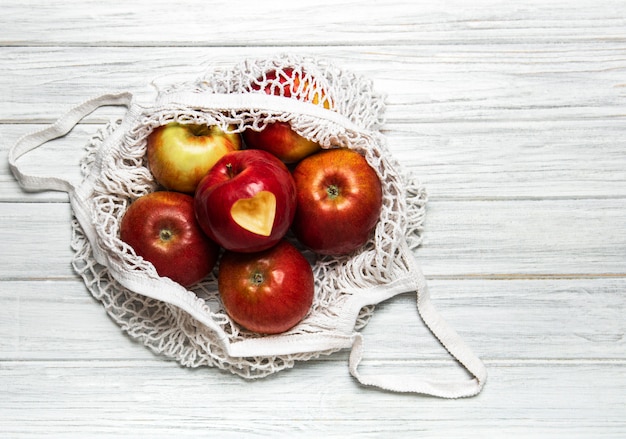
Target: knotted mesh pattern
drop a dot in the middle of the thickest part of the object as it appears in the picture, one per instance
(120, 175)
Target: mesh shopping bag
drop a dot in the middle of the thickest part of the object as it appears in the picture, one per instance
(327, 104)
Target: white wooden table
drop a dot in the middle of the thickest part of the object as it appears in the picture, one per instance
(513, 114)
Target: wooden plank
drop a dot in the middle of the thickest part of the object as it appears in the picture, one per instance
(322, 22)
(553, 320)
(513, 160)
(143, 399)
(525, 238)
(59, 320)
(36, 240)
(431, 83)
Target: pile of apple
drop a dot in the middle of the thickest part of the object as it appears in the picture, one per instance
(233, 198)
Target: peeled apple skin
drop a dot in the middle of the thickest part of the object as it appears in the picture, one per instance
(245, 176)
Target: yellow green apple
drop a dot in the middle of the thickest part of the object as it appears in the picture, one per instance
(179, 155)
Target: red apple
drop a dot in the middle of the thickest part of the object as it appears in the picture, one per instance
(282, 141)
(247, 201)
(267, 292)
(279, 138)
(161, 227)
(339, 201)
(179, 155)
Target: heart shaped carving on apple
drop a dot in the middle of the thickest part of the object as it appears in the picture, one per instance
(255, 214)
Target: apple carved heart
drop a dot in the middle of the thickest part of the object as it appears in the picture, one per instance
(256, 214)
(247, 201)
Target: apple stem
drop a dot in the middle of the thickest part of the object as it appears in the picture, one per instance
(200, 130)
(257, 278)
(165, 235)
(229, 170)
(332, 191)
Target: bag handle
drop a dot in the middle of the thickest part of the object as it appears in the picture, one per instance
(58, 129)
(446, 335)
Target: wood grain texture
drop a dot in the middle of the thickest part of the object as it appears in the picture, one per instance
(512, 116)
(316, 399)
(427, 83)
(58, 320)
(462, 238)
(570, 160)
(323, 22)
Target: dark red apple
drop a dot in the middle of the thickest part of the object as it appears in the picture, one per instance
(161, 227)
(339, 201)
(267, 292)
(282, 141)
(247, 201)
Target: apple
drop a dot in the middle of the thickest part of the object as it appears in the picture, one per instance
(247, 201)
(290, 82)
(279, 138)
(179, 155)
(161, 227)
(268, 292)
(339, 201)
(282, 141)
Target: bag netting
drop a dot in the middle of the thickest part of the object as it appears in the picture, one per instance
(347, 113)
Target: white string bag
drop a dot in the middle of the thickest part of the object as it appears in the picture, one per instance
(329, 105)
